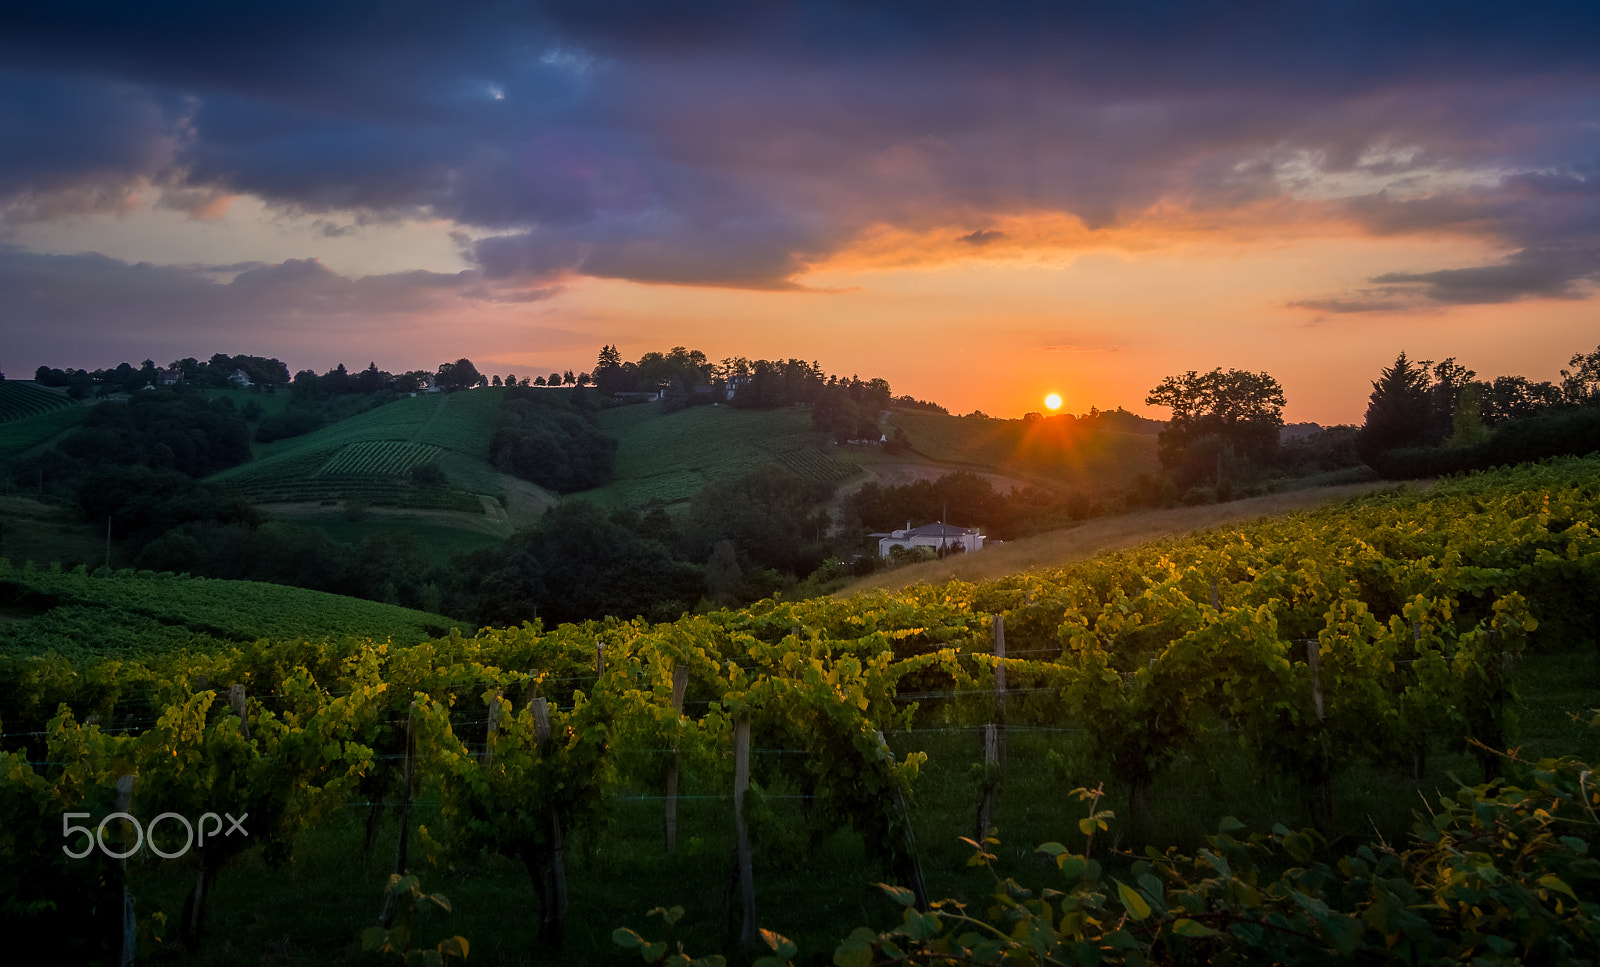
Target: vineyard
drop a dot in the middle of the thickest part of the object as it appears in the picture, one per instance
(809, 464)
(668, 457)
(721, 756)
(129, 614)
(21, 400)
(367, 457)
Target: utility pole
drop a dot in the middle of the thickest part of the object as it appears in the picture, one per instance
(108, 542)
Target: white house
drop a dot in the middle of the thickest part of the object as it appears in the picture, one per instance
(240, 378)
(940, 537)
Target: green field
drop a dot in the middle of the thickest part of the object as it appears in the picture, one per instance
(21, 400)
(668, 457)
(18, 436)
(143, 613)
(368, 456)
(1042, 453)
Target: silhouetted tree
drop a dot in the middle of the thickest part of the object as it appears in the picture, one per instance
(1234, 411)
(1399, 412)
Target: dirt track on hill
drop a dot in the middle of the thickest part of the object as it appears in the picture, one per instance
(1058, 548)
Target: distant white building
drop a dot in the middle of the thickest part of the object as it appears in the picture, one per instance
(240, 378)
(942, 538)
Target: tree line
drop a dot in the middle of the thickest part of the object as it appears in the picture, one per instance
(1422, 418)
(125, 378)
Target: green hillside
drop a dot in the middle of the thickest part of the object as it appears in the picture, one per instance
(21, 400)
(22, 433)
(1042, 452)
(668, 457)
(368, 457)
(125, 612)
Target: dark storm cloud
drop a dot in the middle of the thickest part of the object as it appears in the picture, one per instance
(93, 301)
(1553, 215)
(731, 143)
(81, 137)
(1547, 273)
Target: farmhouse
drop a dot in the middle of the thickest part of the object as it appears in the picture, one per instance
(940, 537)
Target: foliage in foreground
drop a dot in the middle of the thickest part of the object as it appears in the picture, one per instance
(1502, 873)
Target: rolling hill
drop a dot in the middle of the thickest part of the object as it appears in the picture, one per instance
(353, 479)
(667, 457)
(128, 613)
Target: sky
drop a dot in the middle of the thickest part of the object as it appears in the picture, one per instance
(981, 203)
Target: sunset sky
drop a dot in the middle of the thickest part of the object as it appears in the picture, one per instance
(980, 202)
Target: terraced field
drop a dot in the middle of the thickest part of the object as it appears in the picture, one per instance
(20, 400)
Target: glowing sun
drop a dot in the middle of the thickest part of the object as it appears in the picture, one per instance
(1053, 401)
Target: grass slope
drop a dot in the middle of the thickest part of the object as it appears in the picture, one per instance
(19, 436)
(667, 457)
(1043, 452)
(126, 612)
(367, 456)
(1063, 547)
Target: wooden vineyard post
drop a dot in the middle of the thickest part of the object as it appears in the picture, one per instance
(402, 847)
(236, 700)
(911, 857)
(680, 684)
(746, 867)
(599, 659)
(492, 728)
(1323, 813)
(1000, 681)
(994, 736)
(130, 932)
(1215, 598)
(553, 886)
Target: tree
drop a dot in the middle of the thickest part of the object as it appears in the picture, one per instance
(1466, 428)
(1450, 381)
(1218, 411)
(609, 376)
(1399, 412)
(1581, 384)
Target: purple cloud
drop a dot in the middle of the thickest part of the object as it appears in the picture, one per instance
(734, 144)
